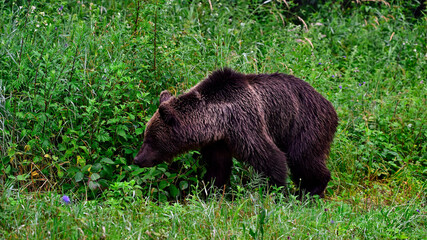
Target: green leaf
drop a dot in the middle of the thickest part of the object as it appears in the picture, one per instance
(96, 167)
(86, 168)
(8, 169)
(183, 185)
(139, 131)
(103, 136)
(93, 185)
(60, 173)
(78, 177)
(81, 161)
(113, 121)
(94, 176)
(107, 161)
(174, 191)
(21, 177)
(122, 133)
(163, 184)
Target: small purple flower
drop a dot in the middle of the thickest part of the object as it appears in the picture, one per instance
(333, 76)
(326, 209)
(364, 83)
(418, 210)
(332, 221)
(320, 63)
(60, 9)
(421, 82)
(66, 199)
(66, 45)
(56, 28)
(340, 87)
(344, 56)
(360, 84)
(289, 237)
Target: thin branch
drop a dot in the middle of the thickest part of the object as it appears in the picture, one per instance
(22, 39)
(136, 19)
(155, 42)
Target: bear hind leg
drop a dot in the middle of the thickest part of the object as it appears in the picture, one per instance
(219, 161)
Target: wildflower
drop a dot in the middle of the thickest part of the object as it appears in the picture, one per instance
(66, 45)
(60, 9)
(360, 84)
(333, 76)
(418, 210)
(326, 209)
(421, 82)
(340, 86)
(332, 221)
(364, 83)
(56, 28)
(344, 56)
(320, 63)
(66, 199)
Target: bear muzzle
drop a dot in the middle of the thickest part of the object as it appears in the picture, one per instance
(147, 157)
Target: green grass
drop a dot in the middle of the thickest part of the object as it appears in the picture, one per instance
(78, 84)
(251, 215)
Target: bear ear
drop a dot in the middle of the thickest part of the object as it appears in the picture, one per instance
(168, 114)
(164, 96)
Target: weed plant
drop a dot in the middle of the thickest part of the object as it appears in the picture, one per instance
(79, 81)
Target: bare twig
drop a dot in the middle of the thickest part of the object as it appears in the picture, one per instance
(287, 5)
(22, 39)
(136, 19)
(74, 61)
(305, 25)
(155, 42)
(210, 5)
(391, 37)
(37, 71)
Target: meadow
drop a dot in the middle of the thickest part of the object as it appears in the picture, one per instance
(79, 81)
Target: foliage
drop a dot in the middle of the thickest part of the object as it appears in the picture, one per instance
(79, 81)
(250, 216)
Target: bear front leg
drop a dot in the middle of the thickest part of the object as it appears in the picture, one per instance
(219, 161)
(266, 158)
(275, 166)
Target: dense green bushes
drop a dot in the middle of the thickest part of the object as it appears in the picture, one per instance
(79, 81)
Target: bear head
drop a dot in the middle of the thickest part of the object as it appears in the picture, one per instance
(158, 136)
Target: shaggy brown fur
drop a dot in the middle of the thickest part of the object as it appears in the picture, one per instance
(271, 121)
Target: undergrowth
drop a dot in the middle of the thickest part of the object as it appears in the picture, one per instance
(79, 81)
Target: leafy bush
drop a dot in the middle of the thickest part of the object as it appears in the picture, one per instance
(79, 82)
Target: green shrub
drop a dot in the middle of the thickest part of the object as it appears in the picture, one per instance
(78, 82)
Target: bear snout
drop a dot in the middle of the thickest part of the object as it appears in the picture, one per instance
(140, 161)
(147, 157)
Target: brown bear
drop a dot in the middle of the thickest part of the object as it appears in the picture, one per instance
(271, 121)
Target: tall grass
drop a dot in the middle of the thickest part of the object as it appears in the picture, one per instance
(250, 216)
